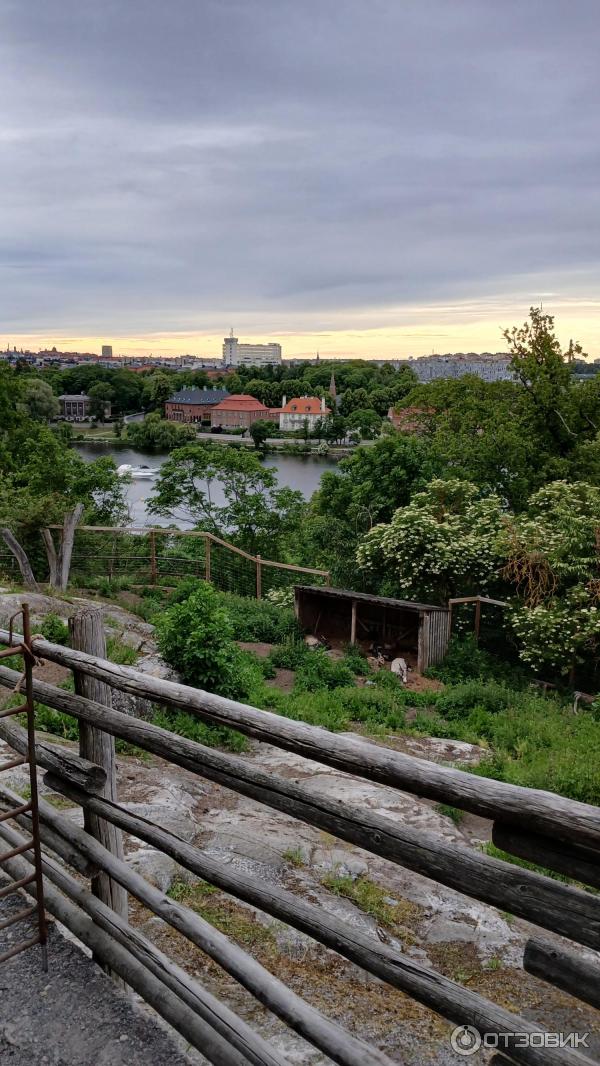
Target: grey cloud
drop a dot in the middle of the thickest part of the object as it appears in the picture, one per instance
(162, 165)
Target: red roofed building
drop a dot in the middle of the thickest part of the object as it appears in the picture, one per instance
(239, 412)
(301, 410)
(410, 419)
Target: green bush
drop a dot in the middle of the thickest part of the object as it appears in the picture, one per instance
(259, 620)
(466, 660)
(212, 736)
(459, 700)
(290, 655)
(54, 629)
(317, 671)
(196, 638)
(356, 661)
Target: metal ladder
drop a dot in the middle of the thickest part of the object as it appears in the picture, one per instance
(31, 807)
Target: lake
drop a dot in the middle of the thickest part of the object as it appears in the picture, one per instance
(293, 471)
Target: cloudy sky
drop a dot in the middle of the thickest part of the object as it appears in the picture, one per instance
(370, 177)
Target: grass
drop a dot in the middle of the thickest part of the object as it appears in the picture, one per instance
(212, 736)
(454, 813)
(295, 857)
(222, 913)
(374, 901)
(496, 853)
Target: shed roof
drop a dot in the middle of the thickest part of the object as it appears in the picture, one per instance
(365, 597)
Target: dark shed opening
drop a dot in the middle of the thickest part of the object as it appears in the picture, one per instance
(417, 631)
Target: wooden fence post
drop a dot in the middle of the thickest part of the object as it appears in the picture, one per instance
(87, 634)
(477, 619)
(207, 558)
(153, 569)
(258, 578)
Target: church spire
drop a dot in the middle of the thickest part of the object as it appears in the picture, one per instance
(332, 387)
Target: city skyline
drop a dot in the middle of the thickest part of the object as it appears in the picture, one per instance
(364, 179)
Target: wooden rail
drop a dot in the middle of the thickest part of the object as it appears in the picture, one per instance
(153, 532)
(563, 835)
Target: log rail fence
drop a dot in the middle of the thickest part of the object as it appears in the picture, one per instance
(560, 834)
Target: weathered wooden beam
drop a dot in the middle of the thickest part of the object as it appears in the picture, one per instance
(216, 1014)
(325, 1034)
(116, 958)
(65, 551)
(563, 969)
(580, 864)
(544, 812)
(22, 559)
(87, 634)
(61, 844)
(48, 540)
(448, 998)
(539, 899)
(59, 760)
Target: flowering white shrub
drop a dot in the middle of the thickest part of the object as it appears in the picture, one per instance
(446, 540)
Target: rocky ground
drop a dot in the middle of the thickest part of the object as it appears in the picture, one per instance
(470, 942)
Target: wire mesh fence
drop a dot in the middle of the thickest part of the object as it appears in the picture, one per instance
(164, 557)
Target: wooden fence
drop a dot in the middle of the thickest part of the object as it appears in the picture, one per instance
(158, 556)
(562, 835)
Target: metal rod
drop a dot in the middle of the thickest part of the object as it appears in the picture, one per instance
(19, 917)
(16, 885)
(13, 813)
(11, 765)
(14, 710)
(7, 652)
(35, 818)
(19, 948)
(27, 846)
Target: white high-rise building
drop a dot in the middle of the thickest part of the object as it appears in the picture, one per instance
(236, 354)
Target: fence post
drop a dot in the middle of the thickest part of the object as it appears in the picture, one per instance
(153, 570)
(258, 578)
(207, 558)
(477, 618)
(87, 634)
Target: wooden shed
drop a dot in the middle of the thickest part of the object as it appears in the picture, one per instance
(418, 631)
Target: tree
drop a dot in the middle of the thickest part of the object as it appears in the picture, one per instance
(444, 543)
(100, 395)
(552, 555)
(366, 488)
(335, 429)
(158, 387)
(227, 491)
(543, 371)
(260, 431)
(39, 401)
(158, 434)
(367, 421)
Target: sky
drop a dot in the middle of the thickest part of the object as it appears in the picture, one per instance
(359, 177)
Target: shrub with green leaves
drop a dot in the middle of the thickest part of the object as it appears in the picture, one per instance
(459, 700)
(196, 639)
(317, 671)
(290, 655)
(54, 629)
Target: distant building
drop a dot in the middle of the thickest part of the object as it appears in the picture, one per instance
(240, 411)
(410, 419)
(78, 407)
(193, 405)
(107, 351)
(488, 367)
(302, 410)
(236, 354)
